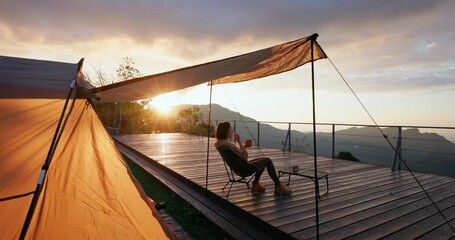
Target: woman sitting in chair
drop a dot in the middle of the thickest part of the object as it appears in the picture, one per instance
(223, 133)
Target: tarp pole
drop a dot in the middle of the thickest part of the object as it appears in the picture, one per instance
(45, 167)
(208, 140)
(316, 182)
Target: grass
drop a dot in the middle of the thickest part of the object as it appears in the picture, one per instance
(189, 218)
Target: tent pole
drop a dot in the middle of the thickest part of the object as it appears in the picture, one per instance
(208, 141)
(45, 167)
(316, 183)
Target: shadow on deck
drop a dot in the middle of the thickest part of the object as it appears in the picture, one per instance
(365, 201)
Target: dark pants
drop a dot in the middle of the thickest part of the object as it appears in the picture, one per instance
(261, 164)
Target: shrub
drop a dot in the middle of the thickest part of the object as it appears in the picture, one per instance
(346, 156)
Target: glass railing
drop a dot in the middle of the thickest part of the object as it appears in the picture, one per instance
(427, 149)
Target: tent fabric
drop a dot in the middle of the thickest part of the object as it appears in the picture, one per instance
(29, 78)
(89, 191)
(262, 63)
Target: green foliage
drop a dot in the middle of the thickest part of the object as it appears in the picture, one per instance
(189, 118)
(190, 121)
(135, 118)
(346, 156)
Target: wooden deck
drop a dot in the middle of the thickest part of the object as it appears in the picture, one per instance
(365, 201)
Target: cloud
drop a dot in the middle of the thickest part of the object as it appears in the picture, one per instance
(431, 45)
(369, 40)
(147, 21)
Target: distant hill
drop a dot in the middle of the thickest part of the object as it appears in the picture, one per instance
(425, 152)
(218, 112)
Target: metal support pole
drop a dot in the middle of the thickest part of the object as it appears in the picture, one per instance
(208, 142)
(397, 152)
(333, 141)
(316, 183)
(258, 133)
(45, 167)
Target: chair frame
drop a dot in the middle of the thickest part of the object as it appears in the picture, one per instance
(233, 179)
(231, 162)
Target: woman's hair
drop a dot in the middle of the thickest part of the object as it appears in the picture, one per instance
(222, 130)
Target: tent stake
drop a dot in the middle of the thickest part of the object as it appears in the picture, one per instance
(45, 167)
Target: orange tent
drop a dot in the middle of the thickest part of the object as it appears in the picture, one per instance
(88, 191)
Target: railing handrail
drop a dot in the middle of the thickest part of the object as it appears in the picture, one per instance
(341, 124)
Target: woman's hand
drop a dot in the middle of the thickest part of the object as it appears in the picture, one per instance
(248, 143)
(237, 137)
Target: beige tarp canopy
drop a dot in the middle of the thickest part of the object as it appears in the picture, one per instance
(262, 63)
(89, 191)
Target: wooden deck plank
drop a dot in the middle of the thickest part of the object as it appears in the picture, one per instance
(424, 226)
(444, 231)
(363, 198)
(334, 194)
(291, 222)
(413, 218)
(331, 224)
(338, 203)
(329, 229)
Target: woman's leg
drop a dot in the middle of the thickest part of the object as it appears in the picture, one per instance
(262, 163)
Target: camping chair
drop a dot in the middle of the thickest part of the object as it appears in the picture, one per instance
(234, 164)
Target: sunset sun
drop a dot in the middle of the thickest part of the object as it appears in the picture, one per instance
(162, 107)
(164, 103)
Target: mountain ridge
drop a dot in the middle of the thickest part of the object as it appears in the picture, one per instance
(422, 151)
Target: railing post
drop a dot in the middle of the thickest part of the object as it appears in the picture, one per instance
(333, 141)
(288, 137)
(258, 133)
(398, 151)
(289, 131)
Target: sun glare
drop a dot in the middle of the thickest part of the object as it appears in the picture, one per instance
(164, 103)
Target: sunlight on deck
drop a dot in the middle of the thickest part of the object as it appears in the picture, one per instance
(365, 201)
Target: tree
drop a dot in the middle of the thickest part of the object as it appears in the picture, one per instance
(189, 118)
(191, 121)
(127, 71)
(101, 78)
(122, 117)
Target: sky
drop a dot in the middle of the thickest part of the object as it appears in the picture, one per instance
(397, 56)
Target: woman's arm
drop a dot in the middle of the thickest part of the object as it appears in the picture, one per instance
(242, 151)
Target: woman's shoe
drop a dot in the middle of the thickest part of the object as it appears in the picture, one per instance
(282, 190)
(257, 188)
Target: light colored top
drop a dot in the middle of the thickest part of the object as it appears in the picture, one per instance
(240, 150)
